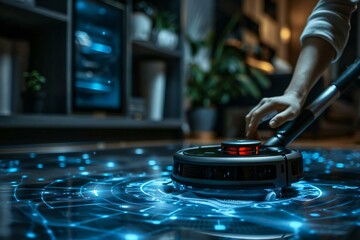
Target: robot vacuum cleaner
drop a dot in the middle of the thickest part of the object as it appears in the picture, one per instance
(248, 168)
(240, 169)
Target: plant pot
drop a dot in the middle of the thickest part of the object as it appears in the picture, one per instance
(141, 26)
(33, 102)
(202, 122)
(167, 39)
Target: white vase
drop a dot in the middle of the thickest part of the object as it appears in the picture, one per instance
(167, 39)
(141, 26)
(153, 79)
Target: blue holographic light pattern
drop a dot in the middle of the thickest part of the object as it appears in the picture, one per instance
(128, 194)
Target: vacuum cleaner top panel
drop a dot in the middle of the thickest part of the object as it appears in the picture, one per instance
(215, 155)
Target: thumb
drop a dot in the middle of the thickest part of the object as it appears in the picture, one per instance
(281, 118)
(274, 123)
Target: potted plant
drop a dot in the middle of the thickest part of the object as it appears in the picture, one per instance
(34, 94)
(223, 76)
(165, 30)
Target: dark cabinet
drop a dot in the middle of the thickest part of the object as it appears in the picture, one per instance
(92, 63)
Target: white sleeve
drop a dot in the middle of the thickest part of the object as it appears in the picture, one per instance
(330, 20)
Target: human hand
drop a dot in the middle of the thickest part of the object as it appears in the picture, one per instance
(286, 107)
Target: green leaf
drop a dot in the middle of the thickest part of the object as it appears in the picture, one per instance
(248, 85)
(261, 78)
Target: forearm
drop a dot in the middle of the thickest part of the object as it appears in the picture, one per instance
(315, 56)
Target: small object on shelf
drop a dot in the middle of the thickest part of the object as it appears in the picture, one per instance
(153, 78)
(141, 26)
(167, 39)
(34, 95)
(165, 30)
(137, 108)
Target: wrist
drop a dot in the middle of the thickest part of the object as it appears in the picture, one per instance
(299, 95)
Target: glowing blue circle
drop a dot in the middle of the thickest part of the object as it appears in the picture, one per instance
(151, 162)
(131, 236)
(220, 227)
(139, 151)
(30, 235)
(340, 165)
(295, 224)
(110, 164)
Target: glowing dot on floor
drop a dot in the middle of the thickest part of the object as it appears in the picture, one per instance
(340, 165)
(295, 224)
(139, 151)
(110, 164)
(314, 214)
(12, 170)
(220, 227)
(151, 162)
(30, 235)
(131, 237)
(155, 167)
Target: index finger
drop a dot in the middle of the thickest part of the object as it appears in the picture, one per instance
(256, 116)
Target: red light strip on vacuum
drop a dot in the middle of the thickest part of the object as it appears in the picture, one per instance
(242, 151)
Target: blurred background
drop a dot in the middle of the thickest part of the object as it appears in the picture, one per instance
(125, 70)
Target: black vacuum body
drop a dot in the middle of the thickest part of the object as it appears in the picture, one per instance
(247, 164)
(240, 164)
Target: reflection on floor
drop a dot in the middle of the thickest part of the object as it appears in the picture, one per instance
(126, 192)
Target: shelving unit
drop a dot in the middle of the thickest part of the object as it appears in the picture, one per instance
(10, 10)
(46, 26)
(173, 58)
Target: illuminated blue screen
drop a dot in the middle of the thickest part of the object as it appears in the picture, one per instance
(98, 56)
